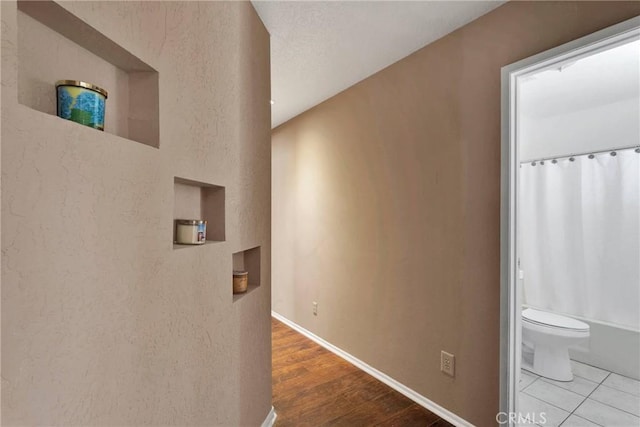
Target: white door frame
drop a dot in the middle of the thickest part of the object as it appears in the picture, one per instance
(509, 306)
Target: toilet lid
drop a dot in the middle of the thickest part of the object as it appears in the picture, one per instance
(549, 319)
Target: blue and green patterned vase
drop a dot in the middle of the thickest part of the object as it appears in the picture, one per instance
(81, 102)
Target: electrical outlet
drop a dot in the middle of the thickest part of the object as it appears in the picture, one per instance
(315, 308)
(447, 363)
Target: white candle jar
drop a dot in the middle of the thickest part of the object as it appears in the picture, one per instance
(191, 231)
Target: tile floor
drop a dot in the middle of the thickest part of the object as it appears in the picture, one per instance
(595, 397)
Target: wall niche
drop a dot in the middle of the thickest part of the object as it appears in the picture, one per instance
(249, 261)
(54, 44)
(199, 200)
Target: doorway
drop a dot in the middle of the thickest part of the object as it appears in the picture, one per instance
(516, 82)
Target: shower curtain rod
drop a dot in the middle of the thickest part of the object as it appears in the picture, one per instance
(628, 147)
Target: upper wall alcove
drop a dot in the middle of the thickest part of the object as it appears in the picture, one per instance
(54, 44)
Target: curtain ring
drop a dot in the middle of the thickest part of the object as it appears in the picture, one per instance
(572, 159)
(533, 163)
(554, 161)
(591, 156)
(637, 150)
(542, 162)
(613, 153)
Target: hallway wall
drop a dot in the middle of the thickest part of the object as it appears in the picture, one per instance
(104, 322)
(386, 205)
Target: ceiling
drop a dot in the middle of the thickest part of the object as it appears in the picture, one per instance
(319, 48)
(600, 79)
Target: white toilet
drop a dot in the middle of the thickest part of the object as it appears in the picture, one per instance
(546, 339)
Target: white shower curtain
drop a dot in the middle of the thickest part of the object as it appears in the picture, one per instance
(580, 236)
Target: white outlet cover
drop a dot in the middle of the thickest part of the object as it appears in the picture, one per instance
(447, 363)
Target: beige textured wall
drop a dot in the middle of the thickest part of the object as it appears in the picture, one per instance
(386, 205)
(103, 322)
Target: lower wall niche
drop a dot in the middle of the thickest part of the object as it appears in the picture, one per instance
(249, 261)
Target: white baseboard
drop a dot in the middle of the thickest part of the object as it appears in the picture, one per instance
(401, 388)
(271, 418)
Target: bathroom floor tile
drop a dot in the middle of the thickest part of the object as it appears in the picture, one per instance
(618, 399)
(526, 379)
(576, 421)
(588, 372)
(623, 383)
(579, 385)
(529, 405)
(606, 415)
(555, 395)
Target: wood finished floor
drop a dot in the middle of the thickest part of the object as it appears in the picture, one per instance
(314, 387)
